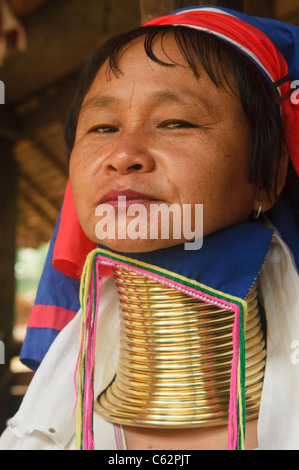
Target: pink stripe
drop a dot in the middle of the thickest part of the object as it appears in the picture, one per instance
(88, 341)
(233, 417)
(77, 363)
(118, 437)
(88, 385)
(50, 316)
(177, 285)
(92, 315)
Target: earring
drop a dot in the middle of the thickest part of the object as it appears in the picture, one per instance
(257, 213)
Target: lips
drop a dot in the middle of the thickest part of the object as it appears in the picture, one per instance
(131, 197)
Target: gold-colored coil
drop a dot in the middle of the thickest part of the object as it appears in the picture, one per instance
(175, 358)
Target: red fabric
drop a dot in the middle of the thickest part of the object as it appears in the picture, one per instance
(49, 316)
(72, 245)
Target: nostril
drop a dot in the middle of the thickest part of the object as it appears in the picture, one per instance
(111, 167)
(123, 168)
(137, 166)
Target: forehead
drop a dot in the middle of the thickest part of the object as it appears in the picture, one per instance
(164, 79)
(134, 64)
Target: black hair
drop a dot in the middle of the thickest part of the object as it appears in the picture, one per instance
(216, 56)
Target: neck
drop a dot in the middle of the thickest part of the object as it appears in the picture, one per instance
(175, 358)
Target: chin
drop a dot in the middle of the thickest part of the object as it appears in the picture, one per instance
(138, 246)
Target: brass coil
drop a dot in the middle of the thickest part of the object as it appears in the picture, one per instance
(175, 358)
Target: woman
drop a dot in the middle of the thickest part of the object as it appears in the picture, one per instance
(193, 108)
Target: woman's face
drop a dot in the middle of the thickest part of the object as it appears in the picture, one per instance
(156, 134)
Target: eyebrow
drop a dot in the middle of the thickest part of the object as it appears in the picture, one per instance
(98, 102)
(185, 97)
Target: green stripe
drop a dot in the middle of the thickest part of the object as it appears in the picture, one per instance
(171, 276)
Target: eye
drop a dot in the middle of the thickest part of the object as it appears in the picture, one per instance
(178, 124)
(104, 129)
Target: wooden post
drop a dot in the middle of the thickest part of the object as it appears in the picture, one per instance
(8, 216)
(153, 8)
(233, 4)
(264, 8)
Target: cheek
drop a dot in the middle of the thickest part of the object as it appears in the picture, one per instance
(221, 185)
(81, 183)
(203, 161)
(82, 161)
(83, 168)
(201, 178)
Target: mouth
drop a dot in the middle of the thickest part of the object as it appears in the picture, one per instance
(126, 197)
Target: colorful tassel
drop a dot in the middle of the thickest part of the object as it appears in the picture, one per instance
(241, 384)
(84, 372)
(237, 407)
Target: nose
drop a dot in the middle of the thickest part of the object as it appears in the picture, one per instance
(130, 155)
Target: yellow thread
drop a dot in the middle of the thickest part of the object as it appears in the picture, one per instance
(83, 295)
(183, 279)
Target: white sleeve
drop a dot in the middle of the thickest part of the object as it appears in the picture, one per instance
(33, 441)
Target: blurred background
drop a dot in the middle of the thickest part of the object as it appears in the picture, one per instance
(43, 45)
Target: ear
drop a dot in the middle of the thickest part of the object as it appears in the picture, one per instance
(262, 196)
